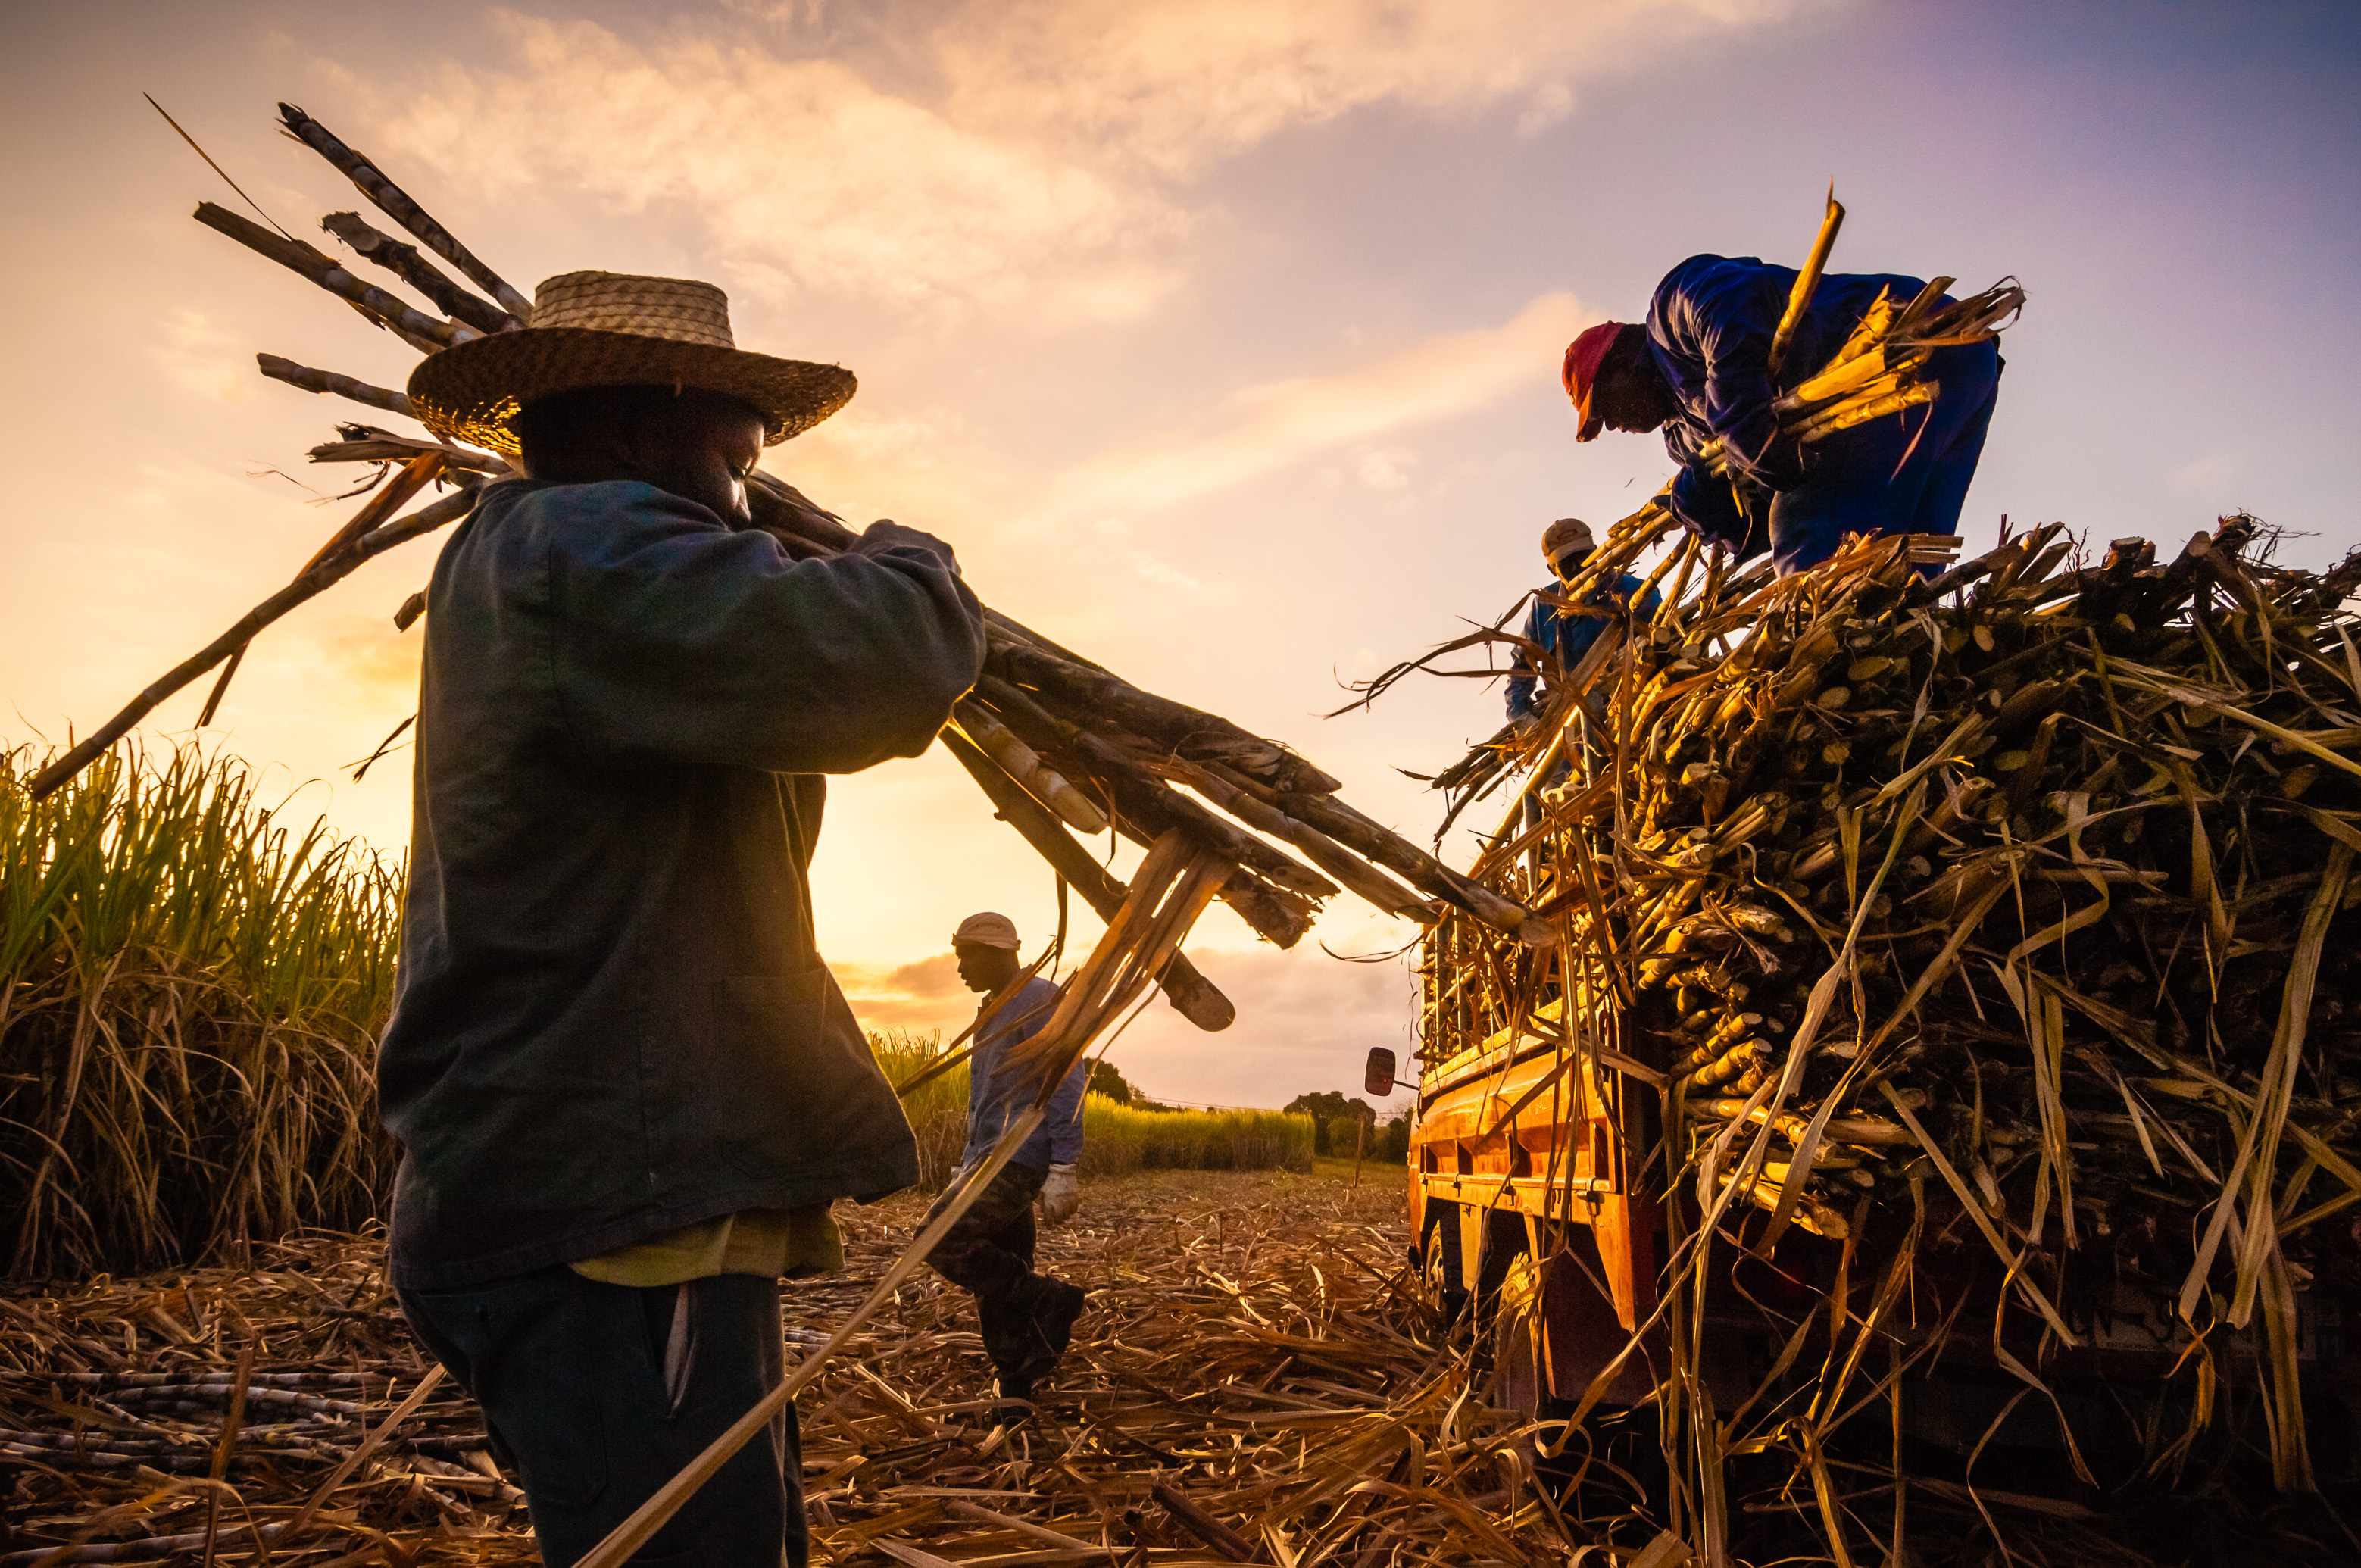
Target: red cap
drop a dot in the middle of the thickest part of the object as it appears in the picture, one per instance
(1583, 358)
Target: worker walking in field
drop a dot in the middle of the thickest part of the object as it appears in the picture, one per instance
(1701, 370)
(1027, 1319)
(625, 1087)
(1561, 633)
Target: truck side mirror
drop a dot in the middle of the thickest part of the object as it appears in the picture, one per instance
(1379, 1080)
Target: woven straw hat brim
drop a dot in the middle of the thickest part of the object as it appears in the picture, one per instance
(472, 391)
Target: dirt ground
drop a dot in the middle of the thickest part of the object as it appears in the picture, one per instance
(1251, 1382)
(1246, 1335)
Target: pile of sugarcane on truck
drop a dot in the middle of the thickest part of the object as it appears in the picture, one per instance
(1948, 1015)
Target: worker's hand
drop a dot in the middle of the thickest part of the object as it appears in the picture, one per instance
(886, 534)
(1525, 724)
(1062, 1194)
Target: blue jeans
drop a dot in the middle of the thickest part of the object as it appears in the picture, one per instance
(572, 1377)
(1907, 473)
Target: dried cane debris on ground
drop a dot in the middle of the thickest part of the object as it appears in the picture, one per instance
(1996, 927)
(1252, 1382)
(1248, 1349)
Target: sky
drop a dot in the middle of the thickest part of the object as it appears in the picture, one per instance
(1220, 336)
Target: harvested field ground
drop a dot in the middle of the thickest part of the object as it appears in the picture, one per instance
(1250, 1346)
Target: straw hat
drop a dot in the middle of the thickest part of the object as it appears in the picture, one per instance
(612, 329)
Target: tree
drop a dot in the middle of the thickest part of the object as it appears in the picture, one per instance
(1106, 1080)
(1325, 1107)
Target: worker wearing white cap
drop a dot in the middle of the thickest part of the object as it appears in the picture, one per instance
(1561, 633)
(1028, 1317)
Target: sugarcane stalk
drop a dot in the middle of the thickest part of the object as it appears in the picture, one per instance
(367, 445)
(424, 332)
(1807, 281)
(1028, 659)
(1019, 762)
(404, 262)
(395, 204)
(1844, 415)
(1381, 846)
(1191, 994)
(1190, 731)
(414, 476)
(1280, 913)
(1355, 873)
(1154, 805)
(418, 524)
(314, 580)
(1148, 807)
(311, 380)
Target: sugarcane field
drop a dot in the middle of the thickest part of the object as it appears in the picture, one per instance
(1180, 999)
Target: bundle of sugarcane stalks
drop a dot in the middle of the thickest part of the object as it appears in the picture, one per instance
(1059, 743)
(1973, 941)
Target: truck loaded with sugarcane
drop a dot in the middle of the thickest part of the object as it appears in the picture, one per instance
(1946, 1068)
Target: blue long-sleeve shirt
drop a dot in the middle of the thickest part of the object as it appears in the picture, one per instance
(997, 1088)
(1710, 332)
(1568, 637)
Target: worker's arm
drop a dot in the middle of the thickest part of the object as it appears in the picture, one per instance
(677, 639)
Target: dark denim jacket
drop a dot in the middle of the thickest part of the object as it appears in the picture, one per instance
(611, 1016)
(1709, 330)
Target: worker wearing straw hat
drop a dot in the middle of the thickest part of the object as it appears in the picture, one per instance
(1566, 621)
(1026, 1318)
(1701, 370)
(625, 1087)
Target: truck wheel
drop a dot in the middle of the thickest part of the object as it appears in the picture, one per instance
(1441, 1291)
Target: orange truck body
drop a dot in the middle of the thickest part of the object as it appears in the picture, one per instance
(1521, 1160)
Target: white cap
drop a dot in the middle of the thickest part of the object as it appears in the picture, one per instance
(1566, 536)
(987, 930)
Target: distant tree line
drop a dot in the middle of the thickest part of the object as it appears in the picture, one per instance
(1335, 1120)
(1334, 1117)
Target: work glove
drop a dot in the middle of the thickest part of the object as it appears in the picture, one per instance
(1062, 1194)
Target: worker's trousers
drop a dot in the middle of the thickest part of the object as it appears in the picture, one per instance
(602, 1393)
(988, 1250)
(1905, 472)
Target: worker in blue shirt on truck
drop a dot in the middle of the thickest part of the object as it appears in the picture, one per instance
(1700, 371)
(1560, 633)
(1028, 1317)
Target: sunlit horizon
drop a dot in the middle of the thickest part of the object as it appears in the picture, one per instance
(1220, 339)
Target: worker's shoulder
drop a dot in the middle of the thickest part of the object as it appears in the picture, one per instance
(595, 516)
(1041, 988)
(1706, 264)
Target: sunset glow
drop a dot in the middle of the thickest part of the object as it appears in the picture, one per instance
(1220, 337)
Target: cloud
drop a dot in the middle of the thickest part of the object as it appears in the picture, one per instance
(200, 358)
(985, 153)
(1266, 427)
(1175, 84)
(922, 995)
(804, 172)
